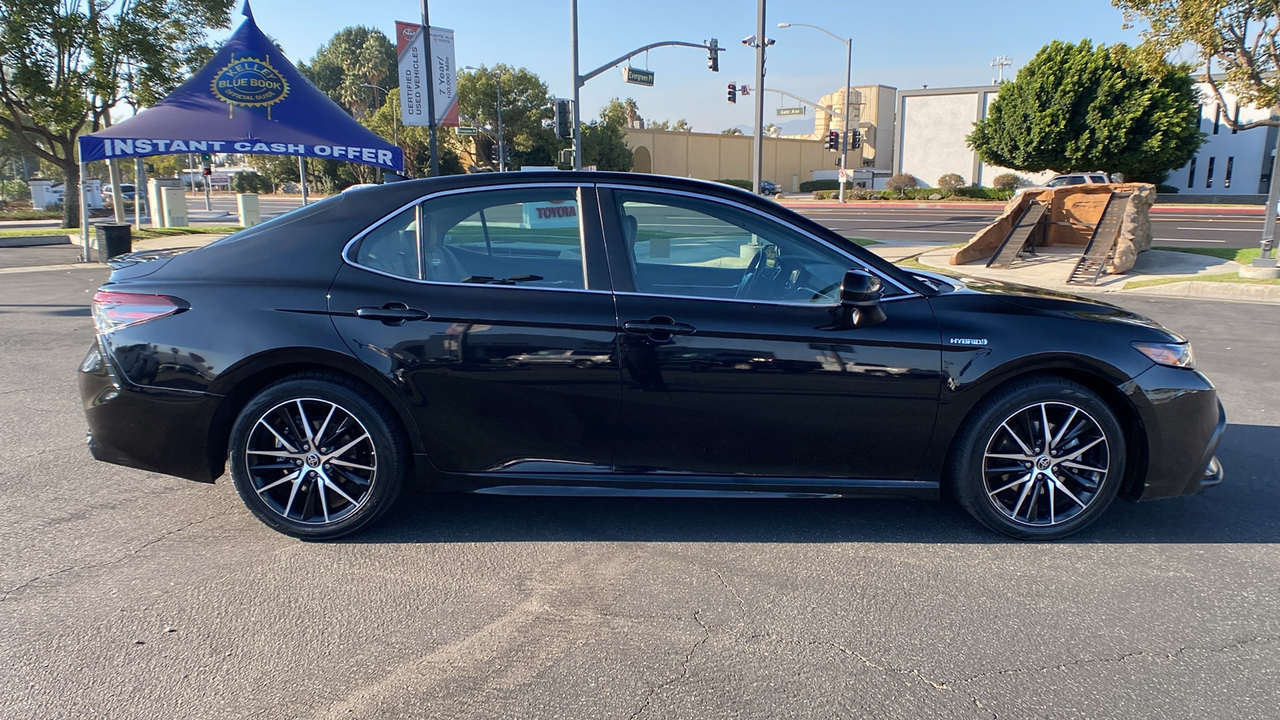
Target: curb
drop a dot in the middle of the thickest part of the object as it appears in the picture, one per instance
(1241, 292)
(34, 240)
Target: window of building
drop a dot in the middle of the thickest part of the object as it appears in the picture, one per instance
(1235, 121)
(1191, 174)
(1208, 174)
(1226, 178)
(1217, 118)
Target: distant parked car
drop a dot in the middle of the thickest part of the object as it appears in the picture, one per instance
(1093, 178)
(127, 190)
(769, 188)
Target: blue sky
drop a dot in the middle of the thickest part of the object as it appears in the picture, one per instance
(903, 44)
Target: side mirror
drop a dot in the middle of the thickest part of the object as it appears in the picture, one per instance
(860, 298)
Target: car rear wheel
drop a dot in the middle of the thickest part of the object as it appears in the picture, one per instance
(317, 456)
(1039, 460)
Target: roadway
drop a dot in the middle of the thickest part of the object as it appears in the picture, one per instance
(950, 225)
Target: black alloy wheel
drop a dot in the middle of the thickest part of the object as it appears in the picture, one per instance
(317, 456)
(1039, 460)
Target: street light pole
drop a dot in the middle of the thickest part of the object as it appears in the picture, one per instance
(848, 79)
(577, 83)
(431, 94)
(757, 161)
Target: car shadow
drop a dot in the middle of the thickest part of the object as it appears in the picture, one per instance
(1244, 509)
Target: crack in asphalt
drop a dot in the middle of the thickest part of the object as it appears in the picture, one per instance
(108, 563)
(741, 605)
(1124, 657)
(684, 668)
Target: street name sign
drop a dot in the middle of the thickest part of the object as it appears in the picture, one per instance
(791, 111)
(636, 76)
(464, 130)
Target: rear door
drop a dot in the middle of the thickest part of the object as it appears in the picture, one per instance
(478, 308)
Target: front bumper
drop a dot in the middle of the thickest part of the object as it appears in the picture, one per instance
(163, 431)
(1183, 422)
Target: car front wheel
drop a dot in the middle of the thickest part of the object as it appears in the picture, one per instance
(317, 456)
(1039, 460)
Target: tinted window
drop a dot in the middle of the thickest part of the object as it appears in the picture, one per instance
(530, 237)
(690, 247)
(392, 247)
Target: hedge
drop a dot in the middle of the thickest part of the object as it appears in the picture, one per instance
(744, 184)
(815, 185)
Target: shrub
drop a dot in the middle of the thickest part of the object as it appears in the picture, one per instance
(950, 182)
(984, 193)
(901, 183)
(250, 182)
(815, 185)
(1006, 181)
(744, 184)
(15, 190)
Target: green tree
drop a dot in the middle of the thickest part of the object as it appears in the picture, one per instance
(731, 131)
(64, 66)
(413, 140)
(354, 58)
(526, 108)
(605, 147)
(1077, 108)
(620, 112)
(1236, 38)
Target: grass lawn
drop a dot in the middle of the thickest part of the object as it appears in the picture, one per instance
(30, 215)
(864, 242)
(1244, 256)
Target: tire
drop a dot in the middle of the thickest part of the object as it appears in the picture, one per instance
(358, 459)
(1002, 474)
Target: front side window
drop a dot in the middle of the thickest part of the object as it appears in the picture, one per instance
(697, 248)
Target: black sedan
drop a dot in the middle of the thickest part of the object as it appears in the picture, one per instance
(705, 342)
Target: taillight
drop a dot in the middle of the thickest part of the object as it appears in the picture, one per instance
(114, 310)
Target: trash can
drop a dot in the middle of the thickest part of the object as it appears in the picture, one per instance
(114, 240)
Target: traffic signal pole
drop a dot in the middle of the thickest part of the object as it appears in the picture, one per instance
(757, 159)
(844, 148)
(580, 80)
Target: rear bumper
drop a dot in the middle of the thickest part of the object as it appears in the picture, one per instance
(1184, 421)
(163, 431)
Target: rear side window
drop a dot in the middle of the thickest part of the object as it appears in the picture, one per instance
(392, 247)
(530, 237)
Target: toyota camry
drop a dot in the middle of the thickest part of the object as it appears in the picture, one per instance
(602, 333)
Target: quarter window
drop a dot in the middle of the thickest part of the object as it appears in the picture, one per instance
(392, 247)
(696, 248)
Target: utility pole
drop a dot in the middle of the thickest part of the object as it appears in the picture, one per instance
(431, 94)
(757, 161)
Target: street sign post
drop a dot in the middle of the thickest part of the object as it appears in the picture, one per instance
(636, 76)
(791, 111)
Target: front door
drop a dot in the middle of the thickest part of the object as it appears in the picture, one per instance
(732, 365)
(478, 307)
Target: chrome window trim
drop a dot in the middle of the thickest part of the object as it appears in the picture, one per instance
(346, 249)
(766, 216)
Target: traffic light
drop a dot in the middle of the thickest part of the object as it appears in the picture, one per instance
(564, 118)
(206, 171)
(733, 93)
(713, 55)
(855, 141)
(833, 141)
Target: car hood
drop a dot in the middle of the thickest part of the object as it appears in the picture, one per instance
(1061, 304)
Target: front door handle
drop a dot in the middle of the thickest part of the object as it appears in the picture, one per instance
(658, 328)
(393, 313)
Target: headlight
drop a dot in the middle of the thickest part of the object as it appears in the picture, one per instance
(1177, 355)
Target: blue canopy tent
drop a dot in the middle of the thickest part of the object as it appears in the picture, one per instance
(248, 99)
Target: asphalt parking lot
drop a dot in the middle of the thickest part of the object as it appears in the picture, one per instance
(133, 595)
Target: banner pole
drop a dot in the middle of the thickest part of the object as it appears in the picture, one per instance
(302, 177)
(431, 94)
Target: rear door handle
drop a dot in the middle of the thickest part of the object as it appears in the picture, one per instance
(393, 313)
(659, 328)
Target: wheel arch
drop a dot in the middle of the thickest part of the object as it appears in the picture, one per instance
(1097, 382)
(240, 383)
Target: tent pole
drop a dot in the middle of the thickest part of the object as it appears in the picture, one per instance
(84, 215)
(302, 176)
(139, 187)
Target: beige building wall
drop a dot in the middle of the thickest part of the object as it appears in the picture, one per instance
(873, 108)
(786, 161)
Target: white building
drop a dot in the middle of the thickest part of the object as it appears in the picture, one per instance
(932, 125)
